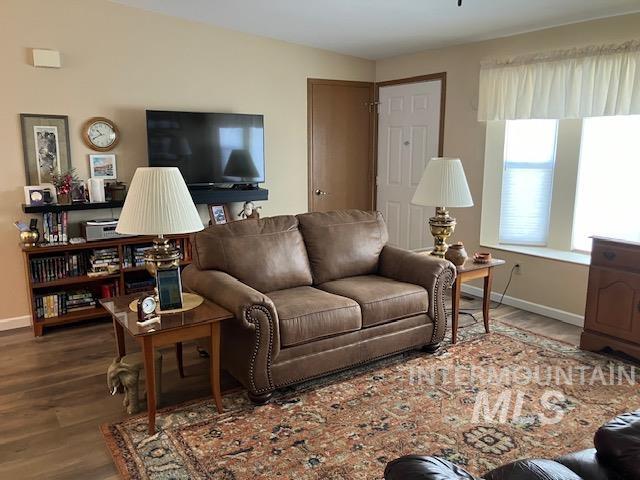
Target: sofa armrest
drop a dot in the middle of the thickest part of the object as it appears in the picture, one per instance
(431, 273)
(417, 467)
(253, 338)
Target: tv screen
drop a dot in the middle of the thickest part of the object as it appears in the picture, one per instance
(208, 148)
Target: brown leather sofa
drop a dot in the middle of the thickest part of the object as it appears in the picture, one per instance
(314, 294)
(616, 456)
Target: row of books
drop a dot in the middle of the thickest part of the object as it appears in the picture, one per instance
(109, 290)
(46, 269)
(55, 227)
(59, 303)
(104, 261)
(133, 255)
(137, 286)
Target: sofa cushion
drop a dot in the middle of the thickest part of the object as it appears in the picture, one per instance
(381, 299)
(618, 444)
(343, 243)
(533, 469)
(588, 466)
(266, 254)
(306, 314)
(418, 467)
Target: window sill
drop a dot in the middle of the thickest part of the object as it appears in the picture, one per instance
(545, 252)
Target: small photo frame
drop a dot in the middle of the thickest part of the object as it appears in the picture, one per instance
(219, 214)
(103, 166)
(34, 195)
(78, 192)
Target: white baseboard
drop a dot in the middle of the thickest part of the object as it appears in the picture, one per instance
(15, 322)
(563, 316)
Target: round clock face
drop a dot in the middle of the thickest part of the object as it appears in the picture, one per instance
(148, 305)
(101, 134)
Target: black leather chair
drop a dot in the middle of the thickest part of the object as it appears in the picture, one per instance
(616, 456)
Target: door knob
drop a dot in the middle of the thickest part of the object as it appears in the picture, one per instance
(320, 192)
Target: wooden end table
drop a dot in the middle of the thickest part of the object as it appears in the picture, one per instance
(174, 328)
(471, 271)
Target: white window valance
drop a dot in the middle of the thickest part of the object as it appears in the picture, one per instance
(581, 82)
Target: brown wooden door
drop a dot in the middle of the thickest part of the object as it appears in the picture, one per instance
(341, 135)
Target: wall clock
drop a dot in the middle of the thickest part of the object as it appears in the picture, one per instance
(100, 134)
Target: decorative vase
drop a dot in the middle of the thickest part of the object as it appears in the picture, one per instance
(64, 199)
(456, 254)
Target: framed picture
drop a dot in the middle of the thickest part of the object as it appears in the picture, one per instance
(103, 166)
(34, 195)
(77, 192)
(219, 214)
(45, 144)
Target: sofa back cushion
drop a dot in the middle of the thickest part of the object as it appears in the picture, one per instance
(343, 243)
(267, 254)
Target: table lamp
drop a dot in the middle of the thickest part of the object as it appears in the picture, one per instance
(443, 184)
(159, 203)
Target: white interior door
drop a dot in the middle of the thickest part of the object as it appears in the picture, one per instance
(408, 136)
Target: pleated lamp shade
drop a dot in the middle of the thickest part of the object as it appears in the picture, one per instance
(158, 203)
(443, 184)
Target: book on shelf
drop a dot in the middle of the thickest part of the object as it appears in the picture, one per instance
(55, 304)
(55, 227)
(56, 267)
(104, 261)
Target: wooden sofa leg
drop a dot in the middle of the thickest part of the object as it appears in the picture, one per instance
(260, 399)
(432, 348)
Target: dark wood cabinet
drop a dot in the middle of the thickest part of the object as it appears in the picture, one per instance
(612, 314)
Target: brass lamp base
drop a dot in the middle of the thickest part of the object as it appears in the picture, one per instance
(442, 227)
(161, 256)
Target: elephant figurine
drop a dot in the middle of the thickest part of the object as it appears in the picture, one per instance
(125, 373)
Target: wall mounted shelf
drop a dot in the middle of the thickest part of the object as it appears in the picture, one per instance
(58, 207)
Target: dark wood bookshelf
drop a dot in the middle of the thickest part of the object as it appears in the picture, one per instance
(76, 282)
(64, 207)
(76, 316)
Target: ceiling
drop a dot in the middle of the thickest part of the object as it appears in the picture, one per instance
(377, 29)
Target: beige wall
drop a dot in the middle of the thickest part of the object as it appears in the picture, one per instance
(555, 284)
(117, 61)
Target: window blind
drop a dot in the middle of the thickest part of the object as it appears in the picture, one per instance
(527, 181)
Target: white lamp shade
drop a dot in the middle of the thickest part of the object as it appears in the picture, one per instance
(158, 203)
(443, 184)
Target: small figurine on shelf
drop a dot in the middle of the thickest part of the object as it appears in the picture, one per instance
(249, 210)
(63, 183)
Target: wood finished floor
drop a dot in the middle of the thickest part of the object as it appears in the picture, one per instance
(53, 393)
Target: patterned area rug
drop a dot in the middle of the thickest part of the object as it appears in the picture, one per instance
(486, 401)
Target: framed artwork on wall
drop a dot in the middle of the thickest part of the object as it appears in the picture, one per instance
(103, 166)
(219, 214)
(45, 145)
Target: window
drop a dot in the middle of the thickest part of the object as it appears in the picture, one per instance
(527, 179)
(608, 193)
(549, 185)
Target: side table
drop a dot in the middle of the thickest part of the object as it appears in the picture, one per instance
(466, 272)
(174, 328)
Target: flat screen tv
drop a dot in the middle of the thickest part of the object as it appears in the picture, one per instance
(208, 148)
